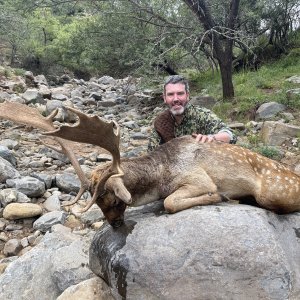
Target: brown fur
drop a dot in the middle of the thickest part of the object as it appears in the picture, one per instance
(187, 173)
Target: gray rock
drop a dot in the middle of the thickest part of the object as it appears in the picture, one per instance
(107, 103)
(46, 178)
(51, 105)
(59, 97)
(40, 80)
(139, 136)
(107, 80)
(219, 252)
(96, 96)
(91, 216)
(4, 96)
(54, 154)
(293, 93)
(204, 101)
(8, 155)
(12, 247)
(30, 186)
(7, 171)
(52, 203)
(10, 144)
(56, 263)
(131, 124)
(276, 133)
(269, 110)
(294, 79)
(33, 96)
(68, 182)
(12, 195)
(46, 221)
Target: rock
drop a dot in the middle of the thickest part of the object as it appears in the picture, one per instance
(14, 211)
(131, 124)
(27, 185)
(106, 103)
(46, 178)
(8, 155)
(45, 222)
(238, 126)
(294, 79)
(293, 94)
(269, 110)
(91, 289)
(59, 97)
(52, 203)
(107, 80)
(68, 182)
(10, 144)
(33, 96)
(7, 171)
(203, 101)
(12, 195)
(92, 215)
(138, 136)
(12, 247)
(276, 133)
(56, 263)
(219, 252)
(40, 80)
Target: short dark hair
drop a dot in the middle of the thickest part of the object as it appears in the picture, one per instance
(177, 79)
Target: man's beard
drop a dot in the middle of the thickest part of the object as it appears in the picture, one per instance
(177, 112)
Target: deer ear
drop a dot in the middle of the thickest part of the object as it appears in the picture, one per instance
(120, 190)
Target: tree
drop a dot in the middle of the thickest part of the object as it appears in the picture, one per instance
(221, 37)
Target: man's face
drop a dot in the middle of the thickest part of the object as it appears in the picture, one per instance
(176, 97)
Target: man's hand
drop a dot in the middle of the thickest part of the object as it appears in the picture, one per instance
(220, 137)
(201, 138)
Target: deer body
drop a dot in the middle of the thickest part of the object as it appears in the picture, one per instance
(183, 172)
(187, 173)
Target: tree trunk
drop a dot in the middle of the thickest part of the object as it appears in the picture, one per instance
(226, 75)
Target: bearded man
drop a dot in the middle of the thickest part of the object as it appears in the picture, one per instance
(183, 118)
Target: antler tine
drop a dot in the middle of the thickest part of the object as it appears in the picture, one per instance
(23, 114)
(93, 130)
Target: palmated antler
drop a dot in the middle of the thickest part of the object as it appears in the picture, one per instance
(23, 114)
(93, 130)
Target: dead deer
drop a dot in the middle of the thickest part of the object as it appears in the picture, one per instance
(183, 172)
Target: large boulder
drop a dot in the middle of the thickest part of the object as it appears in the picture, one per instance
(229, 251)
(276, 133)
(56, 263)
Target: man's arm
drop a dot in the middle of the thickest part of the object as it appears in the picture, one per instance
(154, 140)
(215, 128)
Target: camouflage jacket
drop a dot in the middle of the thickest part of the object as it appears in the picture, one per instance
(196, 120)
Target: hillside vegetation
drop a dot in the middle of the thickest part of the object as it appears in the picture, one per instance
(253, 88)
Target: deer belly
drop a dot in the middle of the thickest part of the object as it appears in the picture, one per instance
(145, 198)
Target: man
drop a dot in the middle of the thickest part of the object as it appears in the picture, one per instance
(183, 118)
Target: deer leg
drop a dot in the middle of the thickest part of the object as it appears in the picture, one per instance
(183, 198)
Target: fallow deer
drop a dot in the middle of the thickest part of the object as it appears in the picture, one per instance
(183, 172)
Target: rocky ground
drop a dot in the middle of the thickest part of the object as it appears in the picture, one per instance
(36, 181)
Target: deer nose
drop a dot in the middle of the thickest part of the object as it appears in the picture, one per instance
(117, 223)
